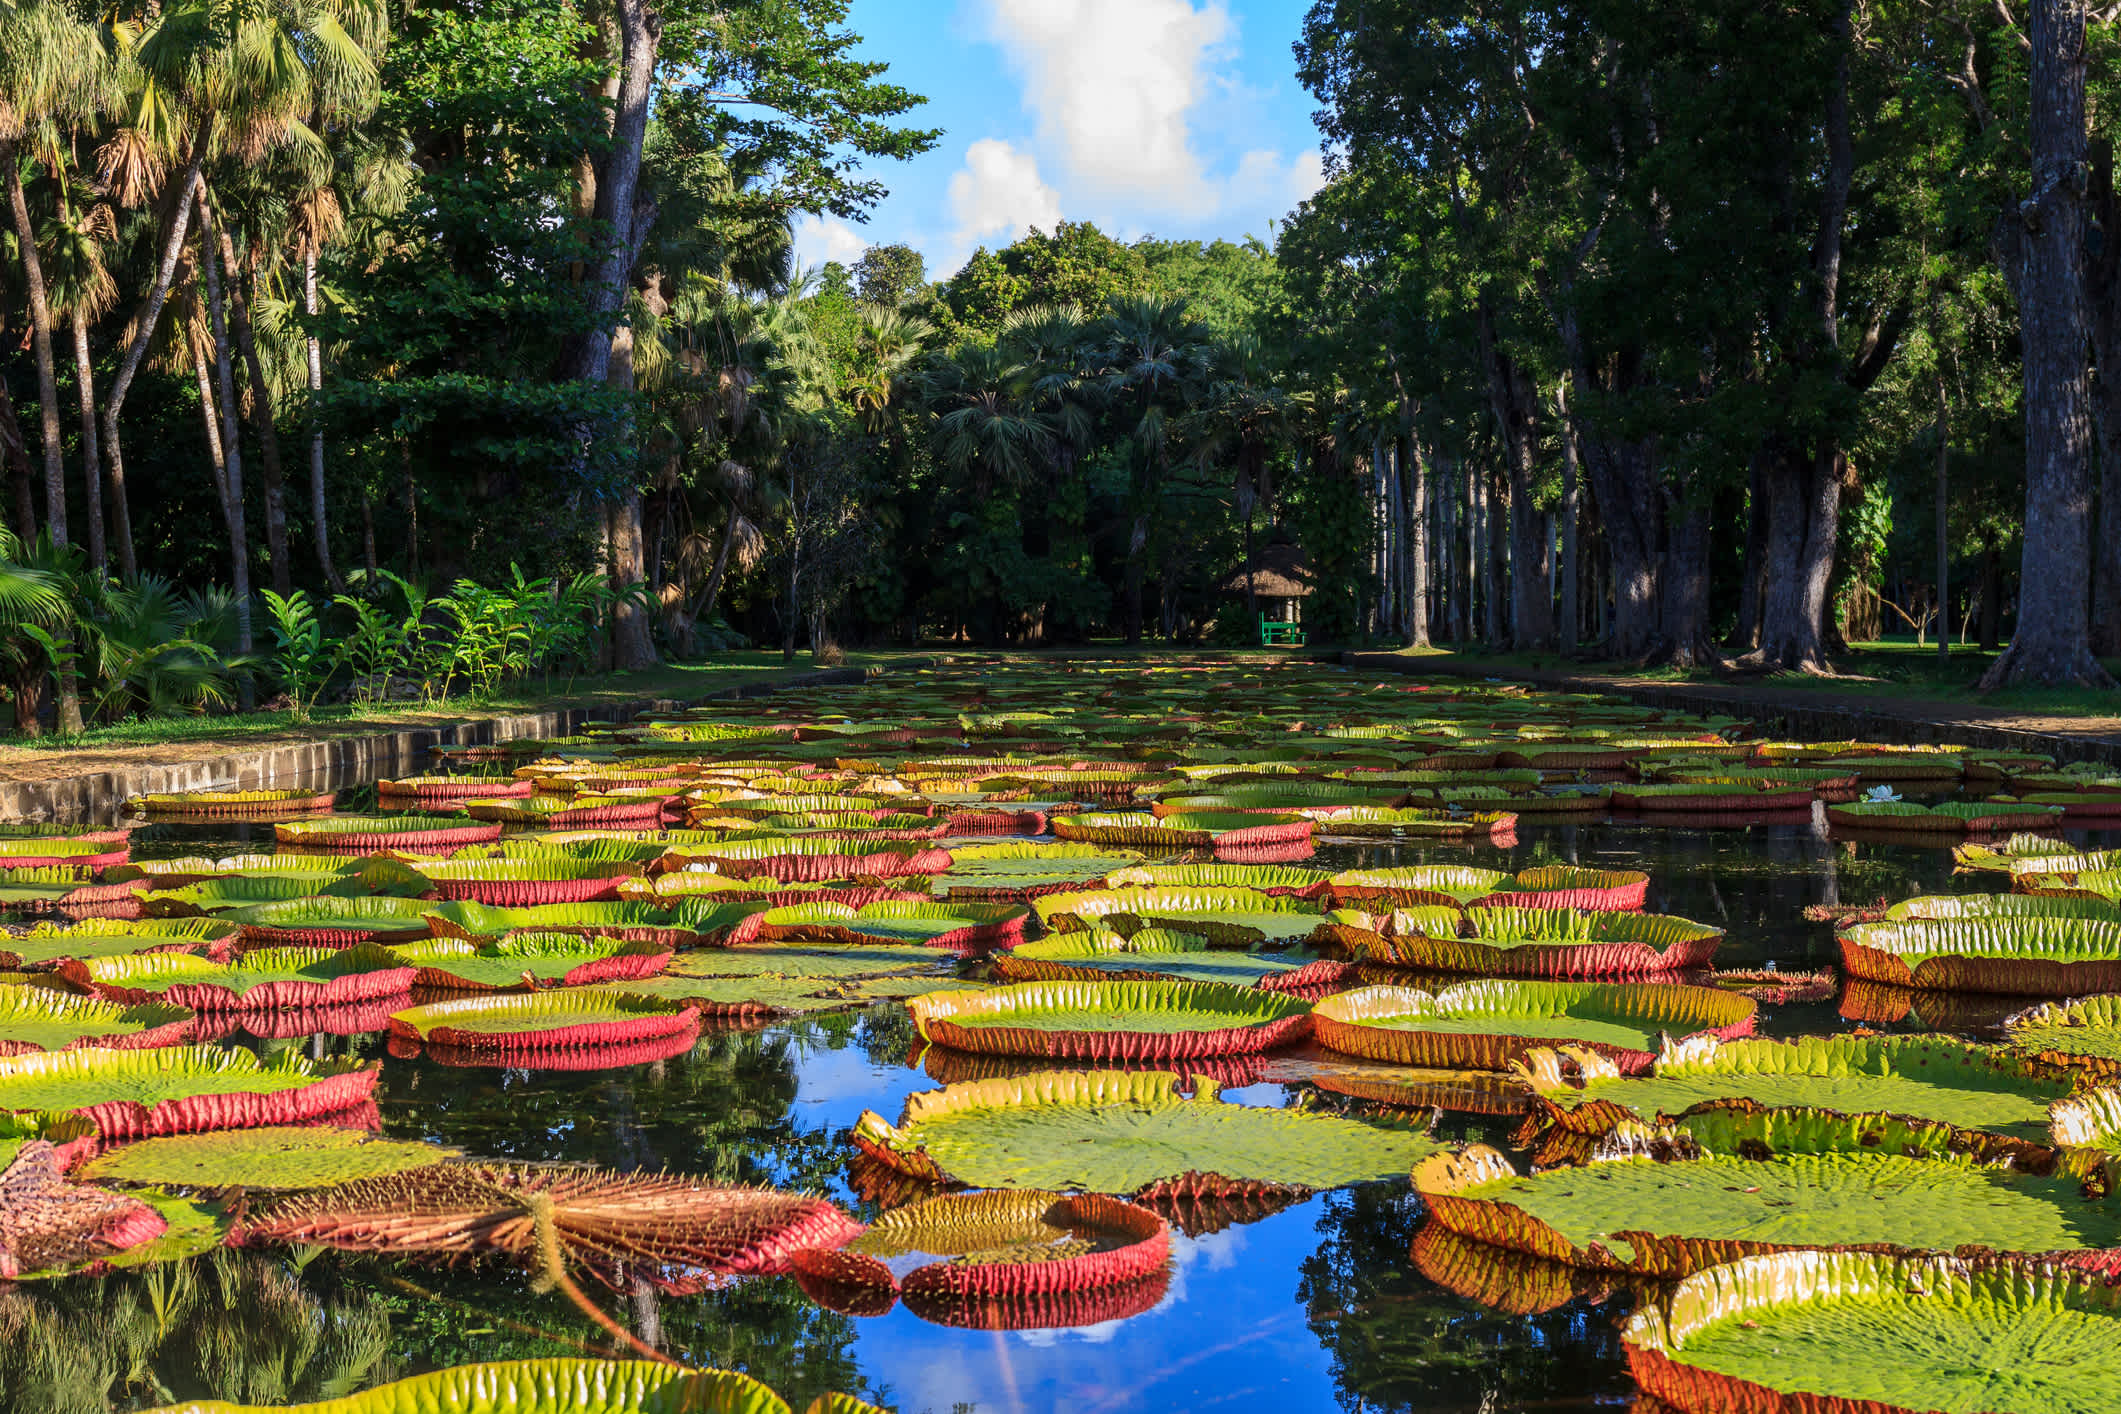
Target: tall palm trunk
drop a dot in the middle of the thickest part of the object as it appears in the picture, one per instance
(91, 461)
(319, 525)
(40, 325)
(231, 432)
(261, 416)
(18, 473)
(143, 332)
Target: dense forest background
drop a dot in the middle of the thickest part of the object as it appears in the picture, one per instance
(1665, 332)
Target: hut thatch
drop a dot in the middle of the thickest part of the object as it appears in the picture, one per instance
(1276, 572)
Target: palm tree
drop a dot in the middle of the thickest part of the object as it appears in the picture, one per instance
(52, 71)
(1053, 341)
(886, 343)
(237, 74)
(81, 290)
(1153, 353)
(987, 423)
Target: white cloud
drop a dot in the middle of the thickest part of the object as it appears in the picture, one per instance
(996, 196)
(1112, 84)
(1264, 180)
(819, 239)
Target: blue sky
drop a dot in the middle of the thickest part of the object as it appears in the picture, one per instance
(1174, 118)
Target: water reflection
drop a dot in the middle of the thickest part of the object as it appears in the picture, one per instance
(1319, 1306)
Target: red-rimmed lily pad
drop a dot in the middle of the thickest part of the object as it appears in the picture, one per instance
(1122, 1020)
(35, 1019)
(1162, 955)
(1551, 942)
(330, 921)
(1726, 1185)
(557, 1386)
(811, 860)
(47, 945)
(2017, 954)
(1017, 871)
(2083, 1034)
(960, 927)
(268, 979)
(529, 961)
(516, 883)
(1226, 917)
(272, 1156)
(1129, 1132)
(226, 804)
(183, 1089)
(513, 1023)
(369, 834)
(1489, 1025)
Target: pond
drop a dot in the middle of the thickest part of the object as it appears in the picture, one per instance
(1310, 1305)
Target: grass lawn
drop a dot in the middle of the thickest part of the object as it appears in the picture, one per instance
(1889, 669)
(680, 681)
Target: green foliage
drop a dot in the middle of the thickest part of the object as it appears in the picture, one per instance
(300, 661)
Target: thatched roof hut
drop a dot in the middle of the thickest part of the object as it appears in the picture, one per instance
(1276, 572)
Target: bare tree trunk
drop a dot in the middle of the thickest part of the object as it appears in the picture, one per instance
(1491, 552)
(1565, 636)
(319, 520)
(1752, 583)
(231, 435)
(1418, 548)
(40, 326)
(143, 328)
(617, 182)
(1991, 596)
(2052, 644)
(632, 642)
(1944, 539)
(1683, 585)
(261, 415)
(91, 460)
(210, 413)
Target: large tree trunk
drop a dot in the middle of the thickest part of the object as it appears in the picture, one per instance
(2103, 289)
(632, 641)
(1511, 398)
(1418, 546)
(1752, 583)
(1683, 585)
(617, 181)
(2052, 644)
(91, 461)
(40, 326)
(1494, 631)
(1804, 519)
(261, 415)
(320, 524)
(1991, 596)
(143, 328)
(231, 434)
(1137, 542)
(1571, 499)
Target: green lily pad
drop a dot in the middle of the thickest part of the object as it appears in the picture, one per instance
(47, 945)
(1226, 917)
(528, 959)
(1928, 1077)
(1862, 1330)
(807, 960)
(1124, 1131)
(83, 1079)
(274, 1156)
(2085, 1033)
(1488, 1025)
(1151, 954)
(544, 1387)
(1812, 1180)
(35, 1019)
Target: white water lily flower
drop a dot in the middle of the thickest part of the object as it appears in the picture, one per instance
(1882, 795)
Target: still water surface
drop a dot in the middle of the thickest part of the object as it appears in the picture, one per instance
(1314, 1308)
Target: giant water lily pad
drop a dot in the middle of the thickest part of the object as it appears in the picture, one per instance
(1418, 883)
(1160, 954)
(686, 923)
(529, 1021)
(182, 1089)
(675, 1231)
(1928, 1077)
(1119, 1020)
(1933, 906)
(1550, 942)
(2018, 954)
(35, 1019)
(48, 1224)
(835, 960)
(1489, 1025)
(271, 1156)
(2084, 1034)
(268, 979)
(1662, 1206)
(46, 945)
(965, 927)
(515, 883)
(325, 920)
(553, 1387)
(1018, 870)
(1879, 1333)
(529, 961)
(1126, 1131)
(370, 834)
(1226, 917)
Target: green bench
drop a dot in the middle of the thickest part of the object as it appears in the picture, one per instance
(1273, 634)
